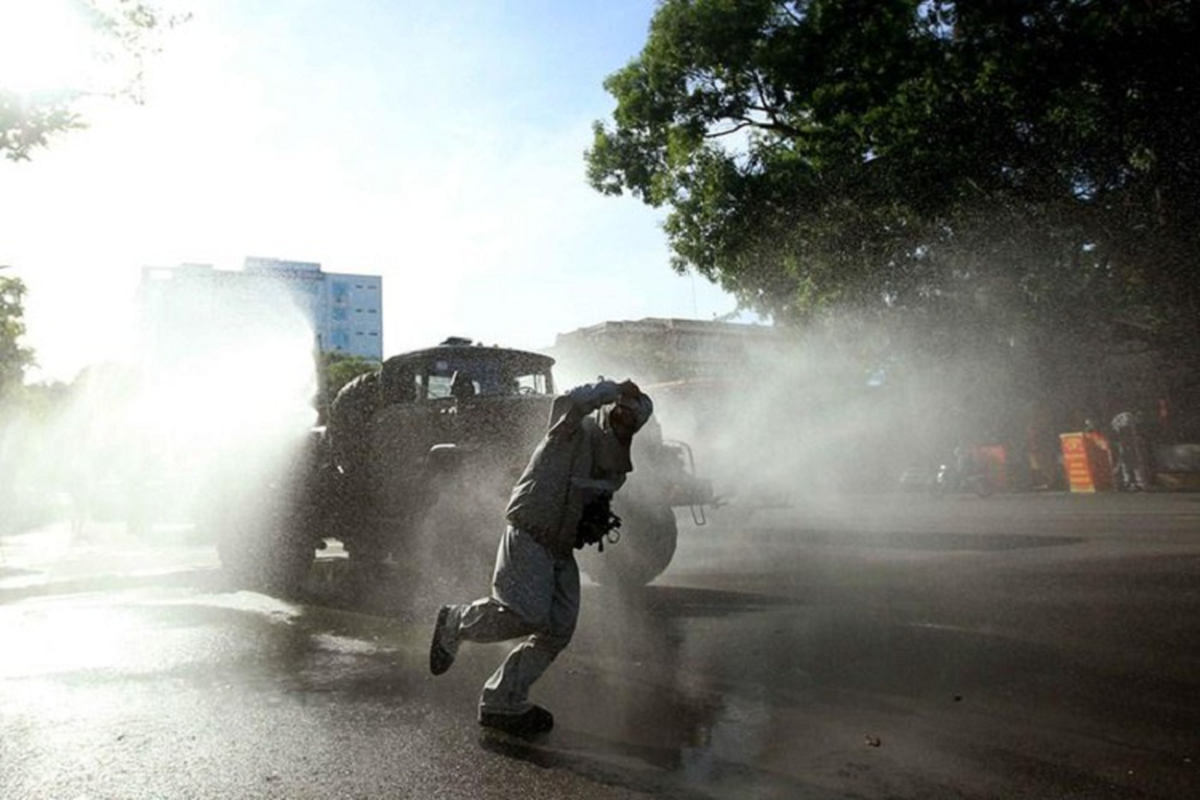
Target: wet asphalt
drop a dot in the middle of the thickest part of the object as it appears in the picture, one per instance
(878, 646)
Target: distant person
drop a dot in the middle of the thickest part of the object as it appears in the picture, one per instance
(80, 489)
(462, 387)
(1132, 470)
(559, 504)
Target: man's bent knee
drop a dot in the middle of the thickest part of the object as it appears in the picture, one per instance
(492, 621)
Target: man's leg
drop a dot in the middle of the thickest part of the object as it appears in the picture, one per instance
(485, 620)
(553, 614)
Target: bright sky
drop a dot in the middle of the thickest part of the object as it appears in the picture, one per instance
(436, 144)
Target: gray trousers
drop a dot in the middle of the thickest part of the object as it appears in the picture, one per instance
(534, 595)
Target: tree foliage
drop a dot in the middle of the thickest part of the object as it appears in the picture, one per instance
(27, 123)
(920, 155)
(123, 33)
(15, 358)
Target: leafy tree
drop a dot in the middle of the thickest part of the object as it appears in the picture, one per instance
(123, 33)
(1016, 165)
(14, 357)
(28, 122)
(17, 402)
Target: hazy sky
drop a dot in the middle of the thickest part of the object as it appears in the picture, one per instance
(438, 144)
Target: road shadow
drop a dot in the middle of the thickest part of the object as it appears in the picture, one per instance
(619, 766)
(649, 770)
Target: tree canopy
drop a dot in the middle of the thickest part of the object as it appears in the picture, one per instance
(117, 35)
(15, 358)
(923, 156)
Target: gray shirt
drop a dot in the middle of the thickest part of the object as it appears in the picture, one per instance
(577, 459)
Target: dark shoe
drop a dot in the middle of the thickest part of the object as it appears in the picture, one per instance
(533, 722)
(440, 656)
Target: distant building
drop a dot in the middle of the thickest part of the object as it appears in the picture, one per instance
(659, 349)
(185, 306)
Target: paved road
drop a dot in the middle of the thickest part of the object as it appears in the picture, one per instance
(896, 646)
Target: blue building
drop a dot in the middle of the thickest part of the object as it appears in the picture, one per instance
(194, 304)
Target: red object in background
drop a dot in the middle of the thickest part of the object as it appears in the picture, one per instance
(1088, 462)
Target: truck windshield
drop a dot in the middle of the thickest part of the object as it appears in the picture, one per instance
(463, 377)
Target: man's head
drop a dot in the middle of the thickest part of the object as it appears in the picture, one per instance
(622, 419)
(628, 415)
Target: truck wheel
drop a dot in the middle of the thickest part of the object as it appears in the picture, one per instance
(368, 560)
(647, 545)
(268, 542)
(267, 513)
(263, 557)
(288, 573)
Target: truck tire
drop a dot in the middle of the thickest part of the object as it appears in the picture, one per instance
(265, 554)
(268, 530)
(649, 535)
(264, 509)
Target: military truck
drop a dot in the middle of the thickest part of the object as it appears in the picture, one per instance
(415, 463)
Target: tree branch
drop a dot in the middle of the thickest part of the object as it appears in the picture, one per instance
(789, 13)
(746, 123)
